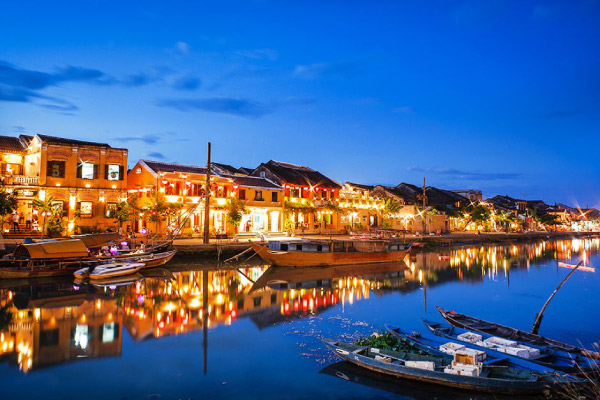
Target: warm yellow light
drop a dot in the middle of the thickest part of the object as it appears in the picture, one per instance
(72, 200)
(58, 184)
(102, 199)
(114, 186)
(87, 185)
(42, 195)
(221, 202)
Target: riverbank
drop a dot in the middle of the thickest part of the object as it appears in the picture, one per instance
(223, 250)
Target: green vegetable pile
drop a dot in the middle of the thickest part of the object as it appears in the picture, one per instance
(387, 341)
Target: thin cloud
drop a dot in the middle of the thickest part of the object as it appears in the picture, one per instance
(259, 54)
(183, 48)
(320, 70)
(186, 83)
(157, 155)
(220, 105)
(148, 138)
(468, 175)
(404, 110)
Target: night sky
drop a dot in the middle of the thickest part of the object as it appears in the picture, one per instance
(502, 96)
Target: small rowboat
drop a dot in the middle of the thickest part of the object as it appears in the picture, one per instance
(106, 271)
(148, 261)
(485, 342)
(433, 368)
(320, 254)
(506, 332)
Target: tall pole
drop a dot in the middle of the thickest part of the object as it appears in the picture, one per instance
(424, 205)
(207, 199)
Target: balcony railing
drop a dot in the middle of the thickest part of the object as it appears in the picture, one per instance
(20, 180)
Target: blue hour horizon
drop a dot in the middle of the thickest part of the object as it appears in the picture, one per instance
(501, 97)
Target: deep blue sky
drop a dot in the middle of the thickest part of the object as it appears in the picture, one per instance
(502, 96)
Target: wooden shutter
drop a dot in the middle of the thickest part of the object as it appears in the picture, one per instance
(61, 168)
(121, 172)
(95, 171)
(49, 168)
(79, 170)
(106, 171)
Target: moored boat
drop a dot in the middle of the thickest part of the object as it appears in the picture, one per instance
(507, 332)
(107, 271)
(494, 345)
(321, 253)
(442, 369)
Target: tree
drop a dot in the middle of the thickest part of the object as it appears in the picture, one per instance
(391, 207)
(46, 208)
(125, 211)
(236, 209)
(8, 204)
(157, 210)
(476, 213)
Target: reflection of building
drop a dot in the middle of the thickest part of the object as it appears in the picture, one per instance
(55, 330)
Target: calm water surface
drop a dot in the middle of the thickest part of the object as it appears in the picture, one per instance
(251, 332)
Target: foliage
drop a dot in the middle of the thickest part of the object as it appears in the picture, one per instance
(476, 213)
(126, 211)
(47, 209)
(305, 207)
(387, 341)
(543, 218)
(55, 226)
(391, 207)
(289, 225)
(236, 209)
(8, 204)
(157, 210)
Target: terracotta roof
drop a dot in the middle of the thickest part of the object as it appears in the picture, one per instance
(361, 186)
(11, 144)
(245, 170)
(158, 166)
(300, 175)
(254, 181)
(227, 169)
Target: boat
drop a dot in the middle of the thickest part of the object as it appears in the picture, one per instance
(507, 332)
(442, 369)
(117, 281)
(58, 257)
(305, 253)
(503, 347)
(106, 271)
(148, 261)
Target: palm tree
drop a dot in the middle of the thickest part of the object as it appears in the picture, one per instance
(46, 208)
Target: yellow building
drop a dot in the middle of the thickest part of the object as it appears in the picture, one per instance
(183, 186)
(85, 179)
(360, 210)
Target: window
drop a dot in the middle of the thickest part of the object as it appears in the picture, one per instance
(114, 172)
(258, 195)
(86, 208)
(242, 195)
(262, 174)
(59, 206)
(294, 192)
(49, 337)
(109, 332)
(87, 171)
(111, 210)
(257, 301)
(274, 198)
(56, 169)
(273, 298)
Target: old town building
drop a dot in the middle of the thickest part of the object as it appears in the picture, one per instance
(311, 200)
(360, 209)
(86, 180)
(183, 189)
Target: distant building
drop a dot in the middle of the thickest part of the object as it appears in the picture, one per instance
(310, 198)
(471, 194)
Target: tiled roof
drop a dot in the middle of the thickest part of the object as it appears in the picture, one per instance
(299, 175)
(11, 144)
(254, 181)
(361, 186)
(227, 169)
(158, 166)
(70, 142)
(245, 170)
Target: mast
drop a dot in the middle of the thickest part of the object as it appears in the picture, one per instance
(207, 199)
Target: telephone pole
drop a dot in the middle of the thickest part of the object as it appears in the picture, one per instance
(207, 199)
(424, 216)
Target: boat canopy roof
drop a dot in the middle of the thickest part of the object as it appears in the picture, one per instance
(52, 249)
(96, 240)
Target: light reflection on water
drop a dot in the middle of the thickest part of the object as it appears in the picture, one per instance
(60, 323)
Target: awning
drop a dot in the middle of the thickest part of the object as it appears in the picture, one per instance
(52, 249)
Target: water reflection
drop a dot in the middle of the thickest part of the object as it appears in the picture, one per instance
(45, 324)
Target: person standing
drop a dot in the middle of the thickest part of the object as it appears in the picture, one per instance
(16, 219)
(28, 219)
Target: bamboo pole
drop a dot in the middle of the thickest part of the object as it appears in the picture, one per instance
(539, 316)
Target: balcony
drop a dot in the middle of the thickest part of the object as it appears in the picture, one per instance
(20, 180)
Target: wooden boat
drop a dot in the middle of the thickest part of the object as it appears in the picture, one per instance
(550, 360)
(114, 282)
(506, 332)
(316, 254)
(430, 368)
(438, 344)
(59, 257)
(149, 261)
(107, 271)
